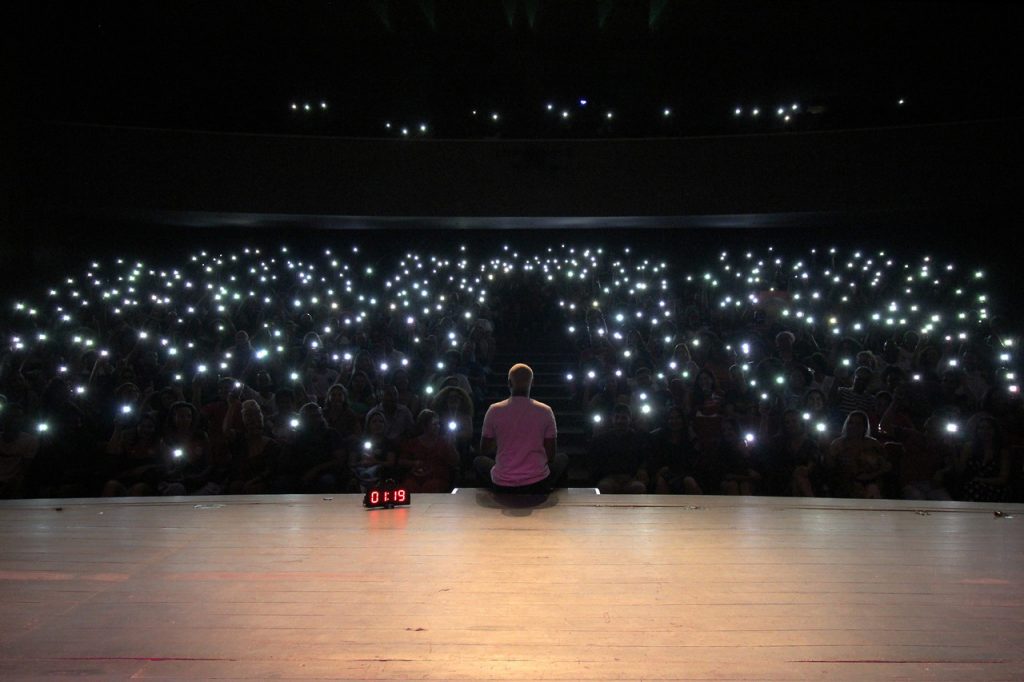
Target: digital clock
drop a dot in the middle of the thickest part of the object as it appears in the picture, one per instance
(386, 496)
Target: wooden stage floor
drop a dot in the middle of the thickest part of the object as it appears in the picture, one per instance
(583, 587)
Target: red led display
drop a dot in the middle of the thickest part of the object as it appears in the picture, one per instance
(386, 497)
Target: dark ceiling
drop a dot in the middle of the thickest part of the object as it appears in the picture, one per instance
(232, 65)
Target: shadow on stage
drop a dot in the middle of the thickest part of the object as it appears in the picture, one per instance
(515, 504)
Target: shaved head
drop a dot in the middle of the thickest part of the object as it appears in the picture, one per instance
(520, 378)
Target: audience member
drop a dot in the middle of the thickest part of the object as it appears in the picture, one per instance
(374, 457)
(618, 456)
(856, 397)
(315, 460)
(428, 462)
(673, 456)
(253, 453)
(136, 460)
(398, 419)
(339, 414)
(17, 450)
(856, 461)
(185, 451)
(983, 465)
(792, 463)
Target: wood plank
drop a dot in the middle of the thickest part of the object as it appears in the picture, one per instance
(584, 587)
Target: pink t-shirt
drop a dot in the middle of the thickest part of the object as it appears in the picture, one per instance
(519, 425)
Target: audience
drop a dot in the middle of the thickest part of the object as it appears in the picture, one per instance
(187, 381)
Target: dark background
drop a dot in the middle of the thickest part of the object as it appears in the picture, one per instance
(149, 129)
(236, 65)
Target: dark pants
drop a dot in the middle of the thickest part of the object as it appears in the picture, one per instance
(483, 465)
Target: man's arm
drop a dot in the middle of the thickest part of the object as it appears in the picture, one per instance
(551, 437)
(488, 444)
(550, 445)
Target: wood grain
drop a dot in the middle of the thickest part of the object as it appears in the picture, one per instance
(582, 587)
